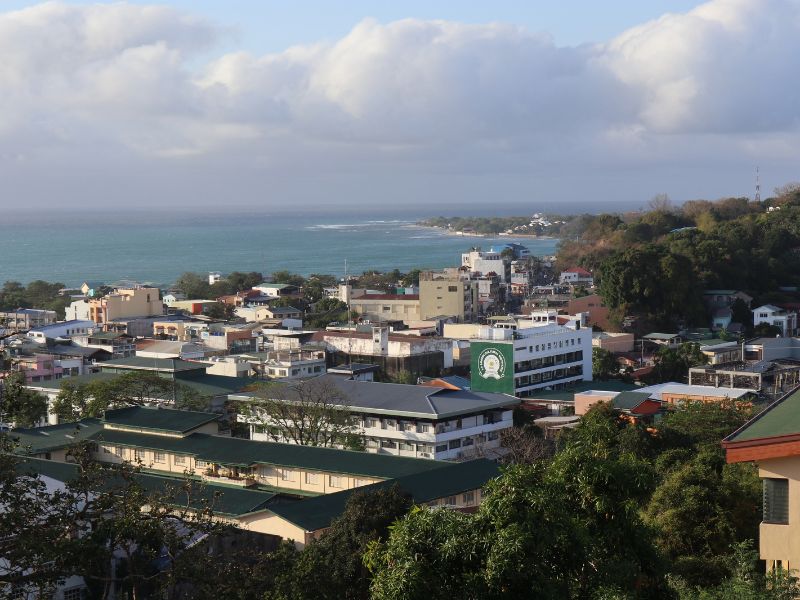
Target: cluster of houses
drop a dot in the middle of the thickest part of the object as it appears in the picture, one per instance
(459, 372)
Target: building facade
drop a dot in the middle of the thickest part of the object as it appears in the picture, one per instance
(529, 359)
(432, 422)
(448, 293)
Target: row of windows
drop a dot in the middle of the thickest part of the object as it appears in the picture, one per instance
(548, 361)
(552, 345)
(553, 375)
(395, 425)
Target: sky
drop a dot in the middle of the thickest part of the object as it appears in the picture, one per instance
(216, 105)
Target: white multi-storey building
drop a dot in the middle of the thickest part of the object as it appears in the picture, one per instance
(484, 262)
(411, 420)
(776, 316)
(519, 361)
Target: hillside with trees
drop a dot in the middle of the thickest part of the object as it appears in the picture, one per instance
(655, 265)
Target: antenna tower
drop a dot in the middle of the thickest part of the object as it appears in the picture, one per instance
(758, 186)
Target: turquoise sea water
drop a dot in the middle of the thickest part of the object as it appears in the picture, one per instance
(158, 247)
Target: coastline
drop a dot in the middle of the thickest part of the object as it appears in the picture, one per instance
(455, 233)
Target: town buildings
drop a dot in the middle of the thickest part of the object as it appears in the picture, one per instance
(378, 308)
(519, 361)
(448, 293)
(432, 422)
(391, 352)
(23, 319)
(122, 304)
(259, 486)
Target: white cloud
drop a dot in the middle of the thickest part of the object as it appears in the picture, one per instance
(91, 83)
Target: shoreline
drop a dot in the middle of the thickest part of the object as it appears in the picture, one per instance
(455, 233)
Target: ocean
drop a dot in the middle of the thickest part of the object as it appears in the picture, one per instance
(157, 246)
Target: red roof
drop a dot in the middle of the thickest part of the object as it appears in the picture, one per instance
(579, 271)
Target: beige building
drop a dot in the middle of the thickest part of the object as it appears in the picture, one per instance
(447, 293)
(284, 490)
(122, 304)
(387, 307)
(772, 440)
(613, 342)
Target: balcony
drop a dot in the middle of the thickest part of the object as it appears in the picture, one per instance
(229, 477)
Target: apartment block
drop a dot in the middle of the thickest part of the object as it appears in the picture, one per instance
(519, 361)
(430, 422)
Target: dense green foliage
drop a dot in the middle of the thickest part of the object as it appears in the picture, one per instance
(91, 399)
(657, 264)
(604, 364)
(19, 405)
(37, 294)
(96, 518)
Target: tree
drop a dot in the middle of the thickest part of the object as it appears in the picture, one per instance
(674, 364)
(569, 528)
(700, 509)
(311, 412)
(604, 364)
(288, 278)
(194, 285)
(525, 445)
(135, 388)
(102, 525)
(332, 566)
(220, 310)
(19, 405)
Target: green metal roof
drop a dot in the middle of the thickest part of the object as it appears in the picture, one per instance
(452, 479)
(568, 394)
(38, 440)
(782, 417)
(202, 383)
(629, 400)
(107, 335)
(158, 419)
(240, 452)
(223, 500)
(143, 363)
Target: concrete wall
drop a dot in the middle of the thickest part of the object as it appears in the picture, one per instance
(782, 542)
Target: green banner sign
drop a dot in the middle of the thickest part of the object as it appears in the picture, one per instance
(492, 367)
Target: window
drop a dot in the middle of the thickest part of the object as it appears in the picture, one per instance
(406, 446)
(452, 288)
(75, 593)
(468, 497)
(138, 454)
(372, 443)
(179, 460)
(388, 444)
(776, 501)
(455, 444)
(334, 481)
(423, 428)
(441, 448)
(312, 478)
(106, 450)
(286, 474)
(159, 457)
(118, 451)
(493, 435)
(450, 501)
(201, 464)
(360, 482)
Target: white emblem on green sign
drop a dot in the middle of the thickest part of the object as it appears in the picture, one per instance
(491, 364)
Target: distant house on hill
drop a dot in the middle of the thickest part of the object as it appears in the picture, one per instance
(576, 276)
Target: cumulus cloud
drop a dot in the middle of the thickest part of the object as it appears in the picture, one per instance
(88, 83)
